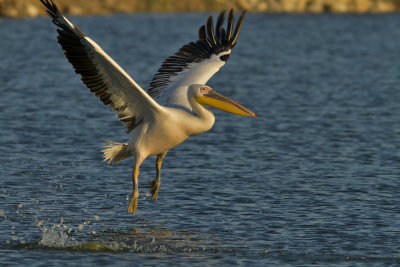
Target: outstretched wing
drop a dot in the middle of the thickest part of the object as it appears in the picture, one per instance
(101, 74)
(197, 62)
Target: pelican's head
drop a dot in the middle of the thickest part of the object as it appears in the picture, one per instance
(205, 95)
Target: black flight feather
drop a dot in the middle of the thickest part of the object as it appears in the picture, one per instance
(211, 42)
(72, 42)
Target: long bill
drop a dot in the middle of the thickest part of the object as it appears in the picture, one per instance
(216, 100)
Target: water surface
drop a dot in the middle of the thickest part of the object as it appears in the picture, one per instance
(314, 180)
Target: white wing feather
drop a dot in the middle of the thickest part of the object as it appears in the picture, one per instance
(101, 74)
(195, 62)
(195, 73)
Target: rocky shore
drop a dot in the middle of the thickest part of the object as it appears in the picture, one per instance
(32, 8)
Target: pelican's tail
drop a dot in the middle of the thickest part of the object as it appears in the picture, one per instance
(115, 152)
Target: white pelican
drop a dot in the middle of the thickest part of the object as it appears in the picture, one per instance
(172, 108)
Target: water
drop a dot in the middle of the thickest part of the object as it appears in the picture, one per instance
(313, 181)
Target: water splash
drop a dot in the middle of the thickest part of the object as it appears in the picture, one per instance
(57, 236)
(91, 235)
(2, 214)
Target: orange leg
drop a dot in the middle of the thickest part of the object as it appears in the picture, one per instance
(155, 184)
(135, 194)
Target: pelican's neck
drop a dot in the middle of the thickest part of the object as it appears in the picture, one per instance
(203, 120)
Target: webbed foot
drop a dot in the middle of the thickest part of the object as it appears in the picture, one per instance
(133, 205)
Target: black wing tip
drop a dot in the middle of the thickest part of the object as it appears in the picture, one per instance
(210, 30)
(214, 37)
(218, 26)
(237, 29)
(51, 8)
(212, 41)
(221, 17)
(243, 15)
(232, 12)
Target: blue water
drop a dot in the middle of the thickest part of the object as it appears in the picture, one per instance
(313, 181)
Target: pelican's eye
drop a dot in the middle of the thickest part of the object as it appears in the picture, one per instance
(204, 89)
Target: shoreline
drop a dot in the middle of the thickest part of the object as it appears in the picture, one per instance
(32, 8)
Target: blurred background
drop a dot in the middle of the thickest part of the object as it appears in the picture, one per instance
(31, 8)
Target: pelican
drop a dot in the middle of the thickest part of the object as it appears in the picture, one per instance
(173, 106)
